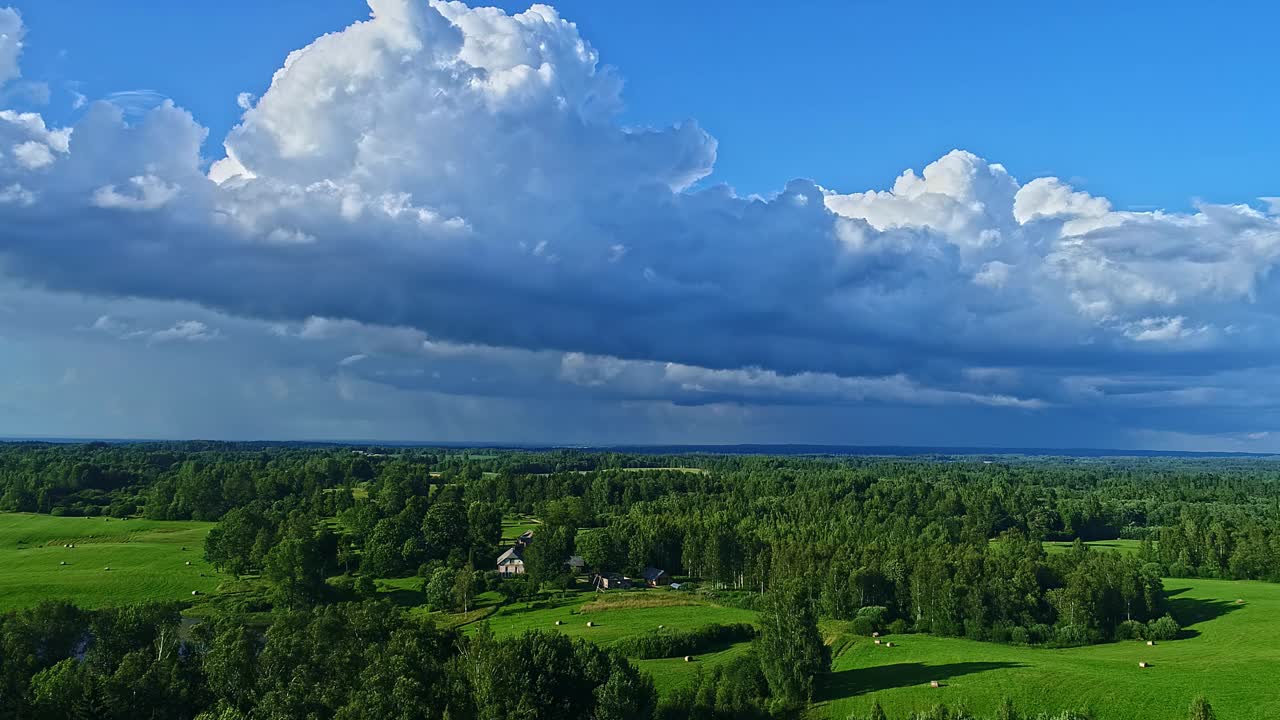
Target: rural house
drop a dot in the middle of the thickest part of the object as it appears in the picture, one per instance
(610, 581)
(511, 563)
(575, 563)
(653, 577)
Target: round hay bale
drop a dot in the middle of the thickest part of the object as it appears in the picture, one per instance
(557, 622)
(688, 658)
(875, 634)
(64, 562)
(188, 562)
(65, 545)
(107, 567)
(72, 546)
(195, 592)
(590, 624)
(1151, 643)
(1143, 665)
(935, 684)
(877, 641)
(660, 627)
(888, 644)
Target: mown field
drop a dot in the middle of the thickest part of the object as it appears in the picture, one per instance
(145, 556)
(620, 614)
(1230, 651)
(1124, 546)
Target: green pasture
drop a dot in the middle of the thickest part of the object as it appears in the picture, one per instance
(620, 614)
(145, 558)
(1124, 546)
(1232, 646)
(514, 527)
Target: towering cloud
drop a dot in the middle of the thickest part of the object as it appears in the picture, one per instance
(461, 173)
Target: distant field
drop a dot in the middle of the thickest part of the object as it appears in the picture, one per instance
(514, 527)
(1230, 653)
(145, 556)
(1124, 546)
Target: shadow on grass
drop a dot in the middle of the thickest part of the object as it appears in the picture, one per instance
(1193, 611)
(404, 597)
(859, 681)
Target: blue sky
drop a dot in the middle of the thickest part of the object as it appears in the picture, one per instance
(1150, 104)
(454, 225)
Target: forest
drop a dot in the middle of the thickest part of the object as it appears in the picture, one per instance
(949, 547)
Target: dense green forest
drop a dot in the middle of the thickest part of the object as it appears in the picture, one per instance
(946, 546)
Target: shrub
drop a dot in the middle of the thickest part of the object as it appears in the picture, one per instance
(1067, 635)
(688, 642)
(899, 627)
(1165, 628)
(1019, 636)
(1131, 630)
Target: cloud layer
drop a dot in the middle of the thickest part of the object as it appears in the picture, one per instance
(441, 188)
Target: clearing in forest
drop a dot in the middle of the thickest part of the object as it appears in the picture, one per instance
(145, 558)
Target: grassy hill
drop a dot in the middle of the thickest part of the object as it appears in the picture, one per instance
(145, 556)
(1229, 651)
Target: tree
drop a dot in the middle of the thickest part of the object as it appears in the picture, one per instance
(597, 549)
(444, 530)
(295, 568)
(544, 559)
(439, 589)
(484, 520)
(542, 675)
(790, 649)
(464, 588)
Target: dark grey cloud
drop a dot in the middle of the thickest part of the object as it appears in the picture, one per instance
(441, 200)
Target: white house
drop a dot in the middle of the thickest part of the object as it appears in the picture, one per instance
(510, 563)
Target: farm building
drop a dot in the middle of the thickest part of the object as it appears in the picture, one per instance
(575, 563)
(525, 538)
(610, 581)
(511, 563)
(653, 577)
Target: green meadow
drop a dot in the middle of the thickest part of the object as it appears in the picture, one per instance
(145, 558)
(616, 615)
(1124, 546)
(1230, 648)
(513, 527)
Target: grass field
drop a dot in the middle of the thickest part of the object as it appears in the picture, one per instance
(145, 556)
(1124, 546)
(621, 615)
(1229, 653)
(512, 527)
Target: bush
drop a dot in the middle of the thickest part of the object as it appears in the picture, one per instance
(666, 644)
(1019, 636)
(862, 626)
(1165, 628)
(899, 627)
(869, 619)
(1131, 630)
(1070, 635)
(1039, 633)
(365, 586)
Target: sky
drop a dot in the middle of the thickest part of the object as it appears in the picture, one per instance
(855, 223)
